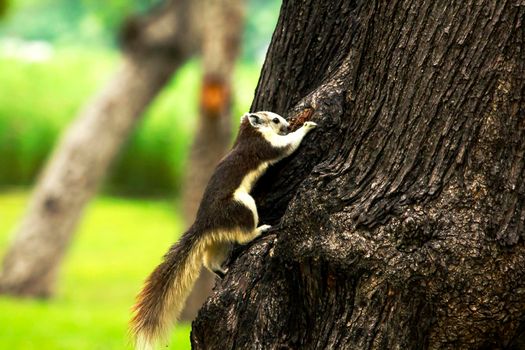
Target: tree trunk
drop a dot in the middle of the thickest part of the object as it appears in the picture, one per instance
(401, 219)
(154, 47)
(222, 22)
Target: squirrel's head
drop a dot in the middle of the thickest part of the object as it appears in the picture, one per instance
(267, 122)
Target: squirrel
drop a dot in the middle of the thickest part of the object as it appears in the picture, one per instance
(227, 214)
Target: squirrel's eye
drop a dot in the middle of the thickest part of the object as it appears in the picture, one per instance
(275, 120)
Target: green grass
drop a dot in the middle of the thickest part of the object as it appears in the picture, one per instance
(39, 99)
(117, 245)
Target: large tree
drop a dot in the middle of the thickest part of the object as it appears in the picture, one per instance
(400, 222)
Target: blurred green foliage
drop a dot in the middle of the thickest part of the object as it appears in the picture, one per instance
(82, 22)
(261, 18)
(119, 242)
(42, 98)
(37, 100)
(75, 54)
(70, 21)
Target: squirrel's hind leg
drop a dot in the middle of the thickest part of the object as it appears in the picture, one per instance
(250, 236)
(218, 252)
(215, 255)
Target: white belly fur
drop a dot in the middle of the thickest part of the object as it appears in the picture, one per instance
(242, 194)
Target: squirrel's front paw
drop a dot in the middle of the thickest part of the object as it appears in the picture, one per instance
(310, 125)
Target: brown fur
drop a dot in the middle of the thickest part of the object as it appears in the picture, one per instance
(227, 213)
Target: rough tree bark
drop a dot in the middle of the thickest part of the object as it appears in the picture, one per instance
(154, 46)
(221, 28)
(400, 221)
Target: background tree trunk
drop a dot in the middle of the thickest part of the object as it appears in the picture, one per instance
(4, 7)
(400, 221)
(222, 27)
(154, 46)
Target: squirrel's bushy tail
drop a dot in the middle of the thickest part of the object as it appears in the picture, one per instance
(161, 300)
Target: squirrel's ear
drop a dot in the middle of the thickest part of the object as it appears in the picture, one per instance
(255, 120)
